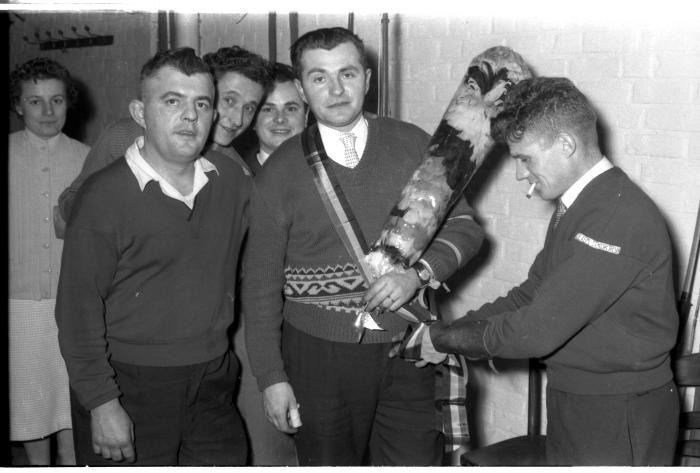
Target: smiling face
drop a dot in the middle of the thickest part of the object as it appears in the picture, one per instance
(43, 106)
(281, 116)
(177, 111)
(544, 162)
(334, 84)
(238, 99)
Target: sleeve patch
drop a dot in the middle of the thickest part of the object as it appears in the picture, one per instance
(598, 245)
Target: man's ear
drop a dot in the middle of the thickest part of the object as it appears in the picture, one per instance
(136, 110)
(300, 89)
(368, 75)
(567, 143)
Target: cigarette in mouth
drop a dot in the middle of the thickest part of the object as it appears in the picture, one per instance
(531, 190)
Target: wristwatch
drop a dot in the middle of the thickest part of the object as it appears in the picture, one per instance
(425, 276)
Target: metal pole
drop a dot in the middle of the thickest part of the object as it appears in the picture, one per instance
(272, 36)
(185, 31)
(383, 105)
(684, 305)
(293, 27)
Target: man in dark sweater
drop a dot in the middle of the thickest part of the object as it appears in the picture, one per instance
(302, 289)
(147, 286)
(598, 304)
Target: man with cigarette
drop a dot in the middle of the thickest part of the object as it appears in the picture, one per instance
(598, 304)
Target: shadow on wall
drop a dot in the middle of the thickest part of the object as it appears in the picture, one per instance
(372, 97)
(82, 112)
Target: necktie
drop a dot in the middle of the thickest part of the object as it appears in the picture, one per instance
(351, 157)
(561, 210)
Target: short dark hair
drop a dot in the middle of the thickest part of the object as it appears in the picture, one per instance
(41, 68)
(184, 60)
(546, 105)
(325, 38)
(242, 61)
(282, 73)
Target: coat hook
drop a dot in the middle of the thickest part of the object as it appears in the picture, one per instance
(75, 32)
(87, 28)
(29, 42)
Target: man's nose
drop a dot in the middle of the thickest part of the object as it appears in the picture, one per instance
(279, 117)
(521, 171)
(337, 86)
(190, 112)
(235, 116)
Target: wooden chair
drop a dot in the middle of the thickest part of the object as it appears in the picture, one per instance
(687, 373)
(526, 450)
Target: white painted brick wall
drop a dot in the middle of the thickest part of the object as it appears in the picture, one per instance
(645, 83)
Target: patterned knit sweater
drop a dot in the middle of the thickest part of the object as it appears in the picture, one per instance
(297, 268)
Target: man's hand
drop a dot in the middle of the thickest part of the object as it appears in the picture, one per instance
(281, 407)
(112, 432)
(392, 290)
(428, 353)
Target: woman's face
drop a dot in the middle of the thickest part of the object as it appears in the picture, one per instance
(43, 106)
(280, 116)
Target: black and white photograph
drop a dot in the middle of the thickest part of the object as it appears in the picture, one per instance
(362, 234)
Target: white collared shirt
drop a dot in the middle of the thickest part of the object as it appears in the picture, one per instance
(334, 146)
(262, 156)
(145, 173)
(572, 192)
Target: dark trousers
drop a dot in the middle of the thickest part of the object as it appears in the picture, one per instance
(628, 429)
(358, 406)
(182, 415)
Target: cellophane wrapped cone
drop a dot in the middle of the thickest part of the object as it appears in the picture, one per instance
(455, 151)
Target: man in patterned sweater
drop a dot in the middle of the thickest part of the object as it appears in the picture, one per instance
(598, 305)
(302, 289)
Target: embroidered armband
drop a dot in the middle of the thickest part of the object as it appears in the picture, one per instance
(597, 245)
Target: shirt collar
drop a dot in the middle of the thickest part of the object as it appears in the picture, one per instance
(262, 156)
(334, 146)
(359, 130)
(145, 173)
(573, 192)
(38, 140)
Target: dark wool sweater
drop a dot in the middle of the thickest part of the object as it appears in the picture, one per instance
(297, 268)
(144, 279)
(598, 304)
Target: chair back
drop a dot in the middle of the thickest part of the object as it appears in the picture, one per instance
(687, 375)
